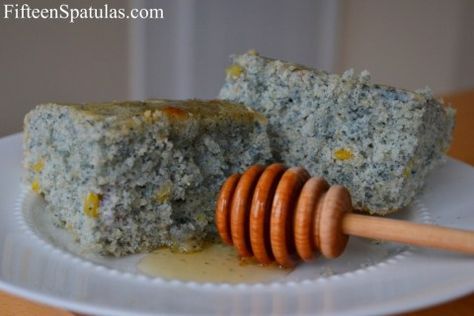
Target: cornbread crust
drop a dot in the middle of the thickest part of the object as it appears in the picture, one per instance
(125, 177)
(378, 141)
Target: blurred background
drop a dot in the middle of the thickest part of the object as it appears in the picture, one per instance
(410, 44)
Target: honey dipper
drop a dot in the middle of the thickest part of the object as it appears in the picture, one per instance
(280, 214)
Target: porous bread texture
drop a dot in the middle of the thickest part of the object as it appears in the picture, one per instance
(133, 176)
(378, 141)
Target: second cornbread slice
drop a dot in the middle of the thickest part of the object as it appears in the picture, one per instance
(378, 141)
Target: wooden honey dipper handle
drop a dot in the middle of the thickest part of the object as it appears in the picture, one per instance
(276, 213)
(405, 232)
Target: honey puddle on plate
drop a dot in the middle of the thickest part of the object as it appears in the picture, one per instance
(217, 263)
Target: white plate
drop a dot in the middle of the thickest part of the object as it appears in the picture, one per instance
(38, 261)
